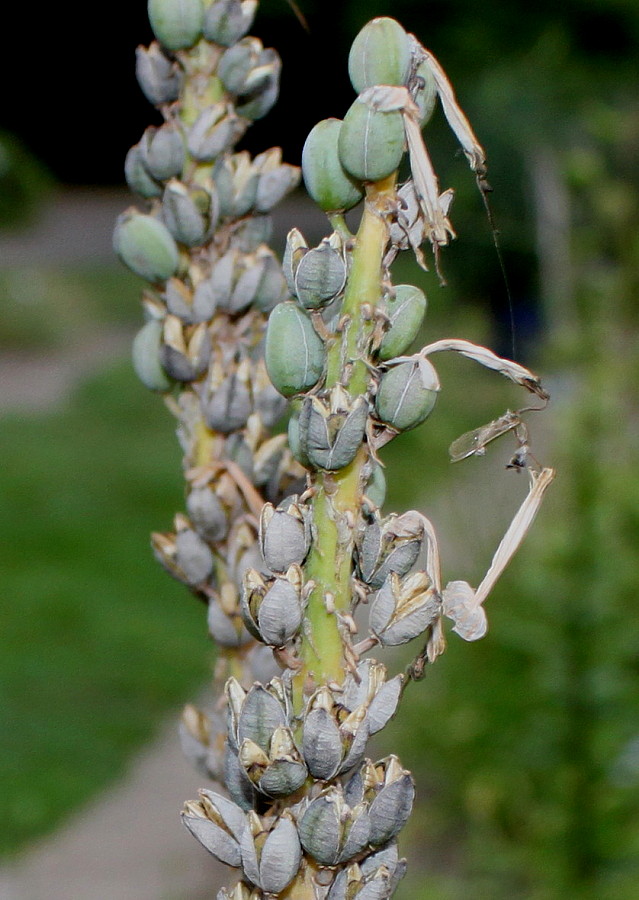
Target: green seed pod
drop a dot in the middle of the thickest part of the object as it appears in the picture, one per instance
(326, 180)
(371, 141)
(425, 94)
(407, 394)
(145, 245)
(320, 276)
(146, 357)
(406, 312)
(294, 353)
(177, 24)
(380, 54)
(226, 21)
(375, 490)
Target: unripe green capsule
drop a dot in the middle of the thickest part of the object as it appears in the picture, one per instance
(380, 54)
(426, 93)
(406, 312)
(326, 180)
(294, 353)
(228, 20)
(407, 394)
(177, 24)
(146, 357)
(371, 141)
(145, 245)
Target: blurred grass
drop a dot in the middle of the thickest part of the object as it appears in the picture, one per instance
(98, 643)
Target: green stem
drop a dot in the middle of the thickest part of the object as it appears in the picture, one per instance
(337, 500)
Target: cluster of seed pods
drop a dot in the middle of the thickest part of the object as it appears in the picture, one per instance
(283, 535)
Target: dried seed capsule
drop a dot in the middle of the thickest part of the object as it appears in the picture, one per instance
(278, 773)
(145, 245)
(333, 431)
(294, 353)
(403, 609)
(226, 21)
(193, 556)
(146, 357)
(295, 440)
(189, 215)
(272, 610)
(207, 513)
(333, 743)
(376, 488)
(230, 406)
(276, 179)
(320, 276)
(371, 141)
(185, 357)
(331, 831)
(162, 152)
(425, 92)
(254, 714)
(177, 24)
(284, 534)
(271, 852)
(406, 311)
(261, 87)
(157, 75)
(380, 54)
(214, 131)
(137, 176)
(296, 248)
(326, 180)
(369, 687)
(237, 62)
(406, 394)
(226, 629)
(218, 824)
(236, 180)
(390, 545)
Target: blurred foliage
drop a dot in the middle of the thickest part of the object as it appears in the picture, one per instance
(97, 643)
(24, 182)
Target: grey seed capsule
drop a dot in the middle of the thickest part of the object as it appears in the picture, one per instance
(260, 715)
(273, 186)
(183, 216)
(405, 398)
(284, 536)
(294, 353)
(236, 780)
(406, 311)
(321, 744)
(236, 181)
(390, 545)
(376, 487)
(402, 610)
(146, 357)
(179, 300)
(384, 704)
(295, 250)
(424, 92)
(237, 62)
(380, 54)
(271, 288)
(254, 231)
(230, 406)
(330, 831)
(144, 245)
(184, 361)
(332, 439)
(137, 177)
(226, 21)
(247, 285)
(326, 179)
(207, 514)
(193, 555)
(268, 459)
(227, 631)
(162, 152)
(177, 24)
(262, 99)
(295, 442)
(213, 132)
(320, 276)
(218, 824)
(279, 616)
(282, 778)
(371, 142)
(391, 809)
(274, 866)
(203, 304)
(158, 76)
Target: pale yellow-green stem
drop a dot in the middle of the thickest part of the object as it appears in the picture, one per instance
(337, 500)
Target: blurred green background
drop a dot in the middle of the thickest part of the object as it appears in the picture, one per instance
(525, 745)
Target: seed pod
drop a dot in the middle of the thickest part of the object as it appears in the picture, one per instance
(146, 357)
(254, 714)
(237, 62)
(144, 245)
(158, 76)
(278, 773)
(284, 534)
(295, 442)
(332, 742)
(406, 311)
(230, 405)
(320, 276)
(226, 629)
(332, 832)
(403, 609)
(252, 232)
(296, 248)
(371, 141)
(375, 491)
(215, 130)
(391, 808)
(226, 21)
(271, 852)
(326, 180)
(185, 357)
(189, 215)
(256, 106)
(218, 824)
(425, 92)
(236, 180)
(137, 176)
(177, 24)
(294, 353)
(380, 54)
(353, 884)
(193, 556)
(333, 432)
(272, 609)
(271, 288)
(406, 394)
(390, 545)
(369, 687)
(207, 513)
(162, 152)
(236, 781)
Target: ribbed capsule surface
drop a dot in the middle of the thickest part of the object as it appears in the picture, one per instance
(294, 353)
(380, 54)
(177, 24)
(406, 311)
(371, 141)
(326, 179)
(405, 397)
(320, 276)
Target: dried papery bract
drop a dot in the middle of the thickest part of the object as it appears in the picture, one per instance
(284, 542)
